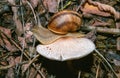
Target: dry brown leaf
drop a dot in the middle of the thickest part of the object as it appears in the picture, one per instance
(24, 2)
(118, 25)
(116, 62)
(33, 73)
(118, 70)
(28, 33)
(105, 8)
(28, 26)
(4, 41)
(17, 60)
(6, 31)
(38, 76)
(22, 42)
(9, 46)
(11, 1)
(12, 61)
(10, 73)
(93, 7)
(51, 5)
(3, 63)
(24, 67)
(17, 21)
(34, 3)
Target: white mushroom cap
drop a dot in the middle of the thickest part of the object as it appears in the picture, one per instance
(67, 48)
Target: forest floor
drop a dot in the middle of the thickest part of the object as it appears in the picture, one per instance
(18, 55)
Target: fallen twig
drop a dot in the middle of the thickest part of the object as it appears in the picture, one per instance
(11, 65)
(101, 29)
(106, 62)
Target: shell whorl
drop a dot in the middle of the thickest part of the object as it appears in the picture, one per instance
(65, 21)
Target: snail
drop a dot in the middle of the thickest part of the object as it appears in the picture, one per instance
(65, 21)
(62, 24)
(61, 41)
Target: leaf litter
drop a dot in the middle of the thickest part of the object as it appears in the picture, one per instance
(101, 23)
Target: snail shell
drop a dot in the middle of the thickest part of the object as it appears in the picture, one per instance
(70, 19)
(65, 21)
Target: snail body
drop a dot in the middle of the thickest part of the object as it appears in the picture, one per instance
(65, 21)
(63, 24)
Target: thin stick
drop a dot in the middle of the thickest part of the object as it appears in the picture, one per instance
(98, 67)
(30, 62)
(79, 73)
(32, 11)
(101, 29)
(105, 61)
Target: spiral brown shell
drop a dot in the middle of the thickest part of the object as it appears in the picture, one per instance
(65, 21)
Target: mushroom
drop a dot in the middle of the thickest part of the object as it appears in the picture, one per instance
(66, 48)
